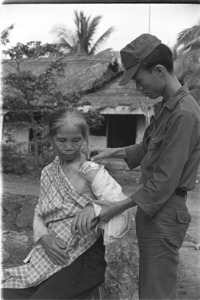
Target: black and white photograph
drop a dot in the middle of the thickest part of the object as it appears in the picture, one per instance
(100, 150)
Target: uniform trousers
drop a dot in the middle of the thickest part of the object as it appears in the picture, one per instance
(76, 281)
(159, 240)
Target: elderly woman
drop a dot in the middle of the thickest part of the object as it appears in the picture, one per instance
(64, 264)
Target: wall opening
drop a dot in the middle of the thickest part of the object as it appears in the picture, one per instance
(121, 130)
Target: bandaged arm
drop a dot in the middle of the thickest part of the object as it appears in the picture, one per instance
(106, 188)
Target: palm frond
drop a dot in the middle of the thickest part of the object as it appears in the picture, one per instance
(93, 26)
(65, 44)
(194, 44)
(186, 62)
(101, 40)
(63, 36)
(82, 38)
(188, 35)
(5, 34)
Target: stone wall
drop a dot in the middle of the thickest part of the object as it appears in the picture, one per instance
(17, 219)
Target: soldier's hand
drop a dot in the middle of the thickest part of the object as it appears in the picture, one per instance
(97, 154)
(82, 221)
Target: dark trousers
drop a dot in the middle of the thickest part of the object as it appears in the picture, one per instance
(76, 281)
(159, 239)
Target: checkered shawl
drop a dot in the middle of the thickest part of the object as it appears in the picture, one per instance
(58, 202)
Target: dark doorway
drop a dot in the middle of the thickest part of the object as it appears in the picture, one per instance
(101, 130)
(121, 130)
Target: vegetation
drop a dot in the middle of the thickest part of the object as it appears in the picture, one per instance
(23, 90)
(188, 40)
(186, 53)
(32, 50)
(81, 41)
(5, 34)
(31, 97)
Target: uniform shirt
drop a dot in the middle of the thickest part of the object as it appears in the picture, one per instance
(169, 154)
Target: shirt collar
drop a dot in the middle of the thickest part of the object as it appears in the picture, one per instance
(180, 93)
(171, 103)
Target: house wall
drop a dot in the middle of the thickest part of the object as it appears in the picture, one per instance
(102, 140)
(143, 115)
(17, 134)
(97, 141)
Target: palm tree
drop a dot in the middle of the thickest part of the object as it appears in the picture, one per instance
(186, 54)
(188, 40)
(81, 41)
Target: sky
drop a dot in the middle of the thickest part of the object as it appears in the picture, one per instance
(33, 22)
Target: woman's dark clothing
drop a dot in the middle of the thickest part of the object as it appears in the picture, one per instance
(76, 281)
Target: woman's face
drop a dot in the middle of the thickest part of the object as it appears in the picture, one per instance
(68, 142)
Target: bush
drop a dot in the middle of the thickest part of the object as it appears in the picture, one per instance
(14, 162)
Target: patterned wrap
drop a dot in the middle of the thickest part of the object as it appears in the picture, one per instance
(58, 202)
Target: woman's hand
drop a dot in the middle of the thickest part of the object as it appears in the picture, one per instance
(54, 249)
(82, 221)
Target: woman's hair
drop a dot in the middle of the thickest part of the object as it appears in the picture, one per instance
(161, 55)
(71, 115)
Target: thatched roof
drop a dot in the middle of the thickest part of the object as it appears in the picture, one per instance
(112, 95)
(81, 73)
(95, 78)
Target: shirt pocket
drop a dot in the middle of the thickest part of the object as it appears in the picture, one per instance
(156, 142)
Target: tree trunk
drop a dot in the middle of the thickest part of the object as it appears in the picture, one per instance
(35, 141)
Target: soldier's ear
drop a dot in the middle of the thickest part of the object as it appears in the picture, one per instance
(160, 70)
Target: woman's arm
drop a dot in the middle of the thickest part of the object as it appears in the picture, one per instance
(51, 245)
(39, 227)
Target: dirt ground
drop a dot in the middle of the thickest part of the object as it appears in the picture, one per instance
(189, 270)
